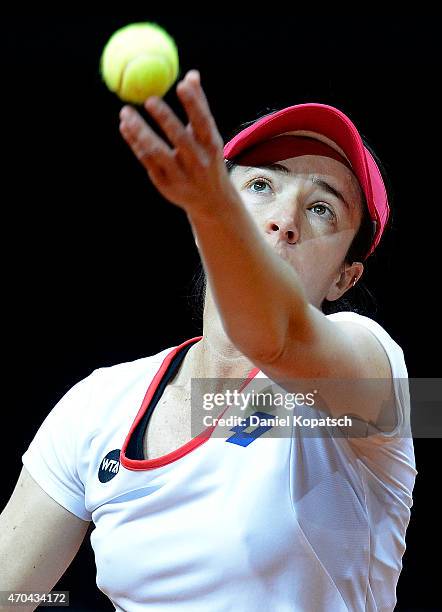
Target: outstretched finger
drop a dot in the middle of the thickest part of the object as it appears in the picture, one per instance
(173, 128)
(197, 107)
(144, 142)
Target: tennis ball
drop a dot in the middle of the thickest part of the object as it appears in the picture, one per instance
(138, 61)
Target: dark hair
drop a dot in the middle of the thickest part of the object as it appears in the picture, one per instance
(359, 298)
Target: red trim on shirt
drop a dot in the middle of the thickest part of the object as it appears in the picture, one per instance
(149, 464)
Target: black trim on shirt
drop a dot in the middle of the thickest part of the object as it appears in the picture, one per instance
(135, 448)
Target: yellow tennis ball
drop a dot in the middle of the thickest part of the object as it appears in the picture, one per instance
(138, 61)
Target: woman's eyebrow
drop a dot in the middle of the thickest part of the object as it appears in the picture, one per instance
(314, 179)
(329, 189)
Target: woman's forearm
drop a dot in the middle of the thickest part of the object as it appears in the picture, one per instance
(256, 292)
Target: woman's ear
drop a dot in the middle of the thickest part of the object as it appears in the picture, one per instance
(347, 278)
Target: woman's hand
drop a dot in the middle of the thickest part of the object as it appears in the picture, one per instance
(192, 174)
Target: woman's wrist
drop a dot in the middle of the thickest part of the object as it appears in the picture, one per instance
(218, 210)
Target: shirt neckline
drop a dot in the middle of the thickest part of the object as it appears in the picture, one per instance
(160, 376)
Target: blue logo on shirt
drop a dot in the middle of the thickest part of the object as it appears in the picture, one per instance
(244, 438)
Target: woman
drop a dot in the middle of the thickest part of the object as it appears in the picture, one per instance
(242, 521)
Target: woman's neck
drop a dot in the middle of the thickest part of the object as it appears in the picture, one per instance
(214, 356)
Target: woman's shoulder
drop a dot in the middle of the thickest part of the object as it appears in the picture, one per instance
(381, 333)
(391, 347)
(134, 368)
(95, 396)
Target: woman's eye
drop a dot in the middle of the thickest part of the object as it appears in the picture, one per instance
(322, 209)
(261, 184)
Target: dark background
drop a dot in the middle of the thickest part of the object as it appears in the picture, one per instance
(97, 266)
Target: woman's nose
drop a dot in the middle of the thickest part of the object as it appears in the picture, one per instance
(286, 229)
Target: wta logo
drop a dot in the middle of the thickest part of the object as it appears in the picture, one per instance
(109, 466)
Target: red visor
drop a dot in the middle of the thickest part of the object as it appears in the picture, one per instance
(320, 120)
